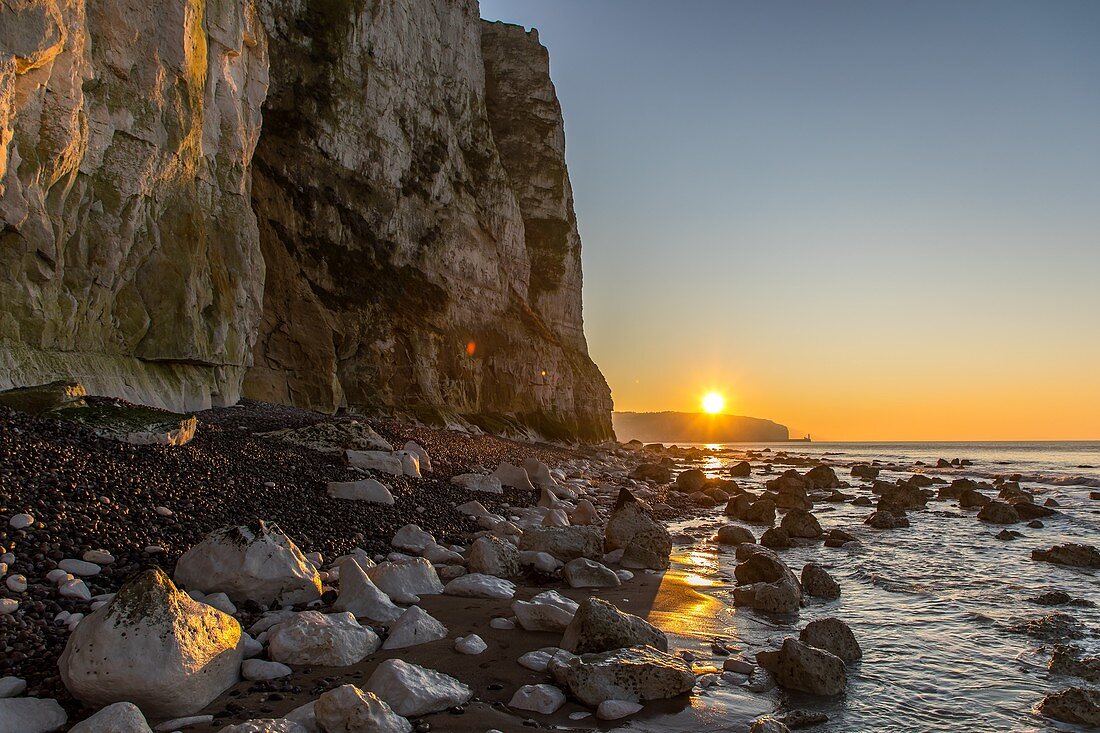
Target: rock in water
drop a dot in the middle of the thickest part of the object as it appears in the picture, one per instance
(1070, 553)
(1073, 705)
(416, 626)
(564, 543)
(119, 717)
(412, 690)
(347, 709)
(645, 541)
(998, 512)
(311, 637)
(493, 556)
(406, 580)
(816, 581)
(154, 646)
(31, 715)
(360, 596)
(257, 562)
(598, 626)
(732, 534)
(834, 636)
(799, 666)
(637, 674)
(800, 523)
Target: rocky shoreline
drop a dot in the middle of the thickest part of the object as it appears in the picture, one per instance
(343, 574)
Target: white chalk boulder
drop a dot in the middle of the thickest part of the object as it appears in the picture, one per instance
(412, 538)
(361, 597)
(405, 581)
(366, 489)
(479, 585)
(416, 626)
(478, 482)
(548, 611)
(257, 562)
(347, 709)
(31, 715)
(515, 476)
(311, 637)
(544, 699)
(119, 717)
(154, 646)
(493, 556)
(413, 690)
(584, 573)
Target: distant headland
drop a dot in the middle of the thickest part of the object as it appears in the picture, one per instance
(695, 427)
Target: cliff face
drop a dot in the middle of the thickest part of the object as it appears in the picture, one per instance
(130, 252)
(403, 236)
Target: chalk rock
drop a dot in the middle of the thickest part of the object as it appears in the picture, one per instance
(119, 717)
(21, 521)
(512, 475)
(75, 588)
(412, 690)
(261, 669)
(479, 585)
(405, 581)
(474, 509)
(436, 553)
(255, 562)
(311, 637)
(12, 686)
(585, 514)
(637, 674)
(154, 646)
(31, 715)
(599, 626)
(361, 597)
(585, 573)
(421, 454)
(377, 460)
(543, 699)
(416, 626)
(268, 725)
(547, 611)
(645, 541)
(478, 482)
(540, 660)
(542, 561)
(616, 709)
(539, 473)
(493, 556)
(472, 644)
(799, 666)
(363, 490)
(564, 543)
(412, 538)
(79, 567)
(834, 636)
(347, 709)
(817, 582)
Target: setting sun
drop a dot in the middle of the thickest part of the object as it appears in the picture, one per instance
(713, 403)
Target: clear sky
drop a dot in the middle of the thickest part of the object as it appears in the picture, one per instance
(867, 220)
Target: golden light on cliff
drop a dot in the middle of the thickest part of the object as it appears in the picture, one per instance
(713, 403)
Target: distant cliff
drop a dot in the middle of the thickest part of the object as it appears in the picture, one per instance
(694, 427)
(303, 201)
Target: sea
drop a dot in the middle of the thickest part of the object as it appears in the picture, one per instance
(950, 640)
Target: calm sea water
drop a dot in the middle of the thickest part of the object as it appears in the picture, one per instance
(934, 605)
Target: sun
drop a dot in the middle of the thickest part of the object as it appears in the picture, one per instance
(713, 403)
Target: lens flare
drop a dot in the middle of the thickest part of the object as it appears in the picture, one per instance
(713, 403)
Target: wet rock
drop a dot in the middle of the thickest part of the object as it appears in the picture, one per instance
(638, 674)
(817, 582)
(776, 538)
(822, 477)
(404, 581)
(599, 626)
(884, 519)
(796, 719)
(311, 637)
(1072, 705)
(800, 523)
(690, 481)
(1058, 598)
(119, 717)
(1071, 553)
(1028, 511)
(799, 666)
(865, 471)
(415, 626)
(652, 472)
(741, 469)
(493, 556)
(361, 597)
(1067, 660)
(901, 497)
(838, 538)
(585, 573)
(411, 690)
(564, 543)
(998, 512)
(732, 534)
(31, 715)
(154, 646)
(972, 498)
(1054, 627)
(834, 636)
(544, 699)
(738, 505)
(255, 562)
(269, 725)
(547, 611)
(761, 511)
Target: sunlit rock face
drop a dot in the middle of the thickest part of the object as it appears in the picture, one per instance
(396, 231)
(131, 256)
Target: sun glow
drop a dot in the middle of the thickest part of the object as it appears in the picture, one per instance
(713, 403)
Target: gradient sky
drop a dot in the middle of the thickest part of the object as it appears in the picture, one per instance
(868, 220)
